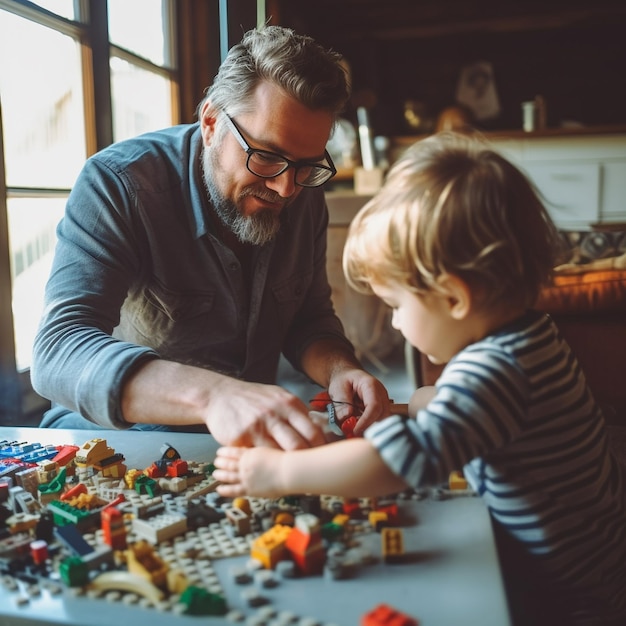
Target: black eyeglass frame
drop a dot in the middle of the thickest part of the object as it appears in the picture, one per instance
(296, 165)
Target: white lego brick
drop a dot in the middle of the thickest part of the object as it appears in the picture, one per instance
(160, 527)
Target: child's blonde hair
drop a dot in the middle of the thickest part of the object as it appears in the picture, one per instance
(451, 205)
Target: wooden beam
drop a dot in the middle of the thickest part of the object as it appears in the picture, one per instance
(416, 26)
(198, 52)
(98, 19)
(10, 397)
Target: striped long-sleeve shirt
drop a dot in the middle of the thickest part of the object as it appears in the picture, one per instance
(515, 412)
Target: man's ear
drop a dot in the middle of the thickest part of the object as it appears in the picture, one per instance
(457, 294)
(208, 119)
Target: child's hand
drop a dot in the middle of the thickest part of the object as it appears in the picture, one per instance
(248, 471)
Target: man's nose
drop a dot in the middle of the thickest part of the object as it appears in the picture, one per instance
(284, 184)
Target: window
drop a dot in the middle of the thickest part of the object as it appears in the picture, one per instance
(59, 103)
(141, 66)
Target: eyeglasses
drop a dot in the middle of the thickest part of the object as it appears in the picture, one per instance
(267, 164)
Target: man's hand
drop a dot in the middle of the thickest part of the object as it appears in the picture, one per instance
(355, 392)
(253, 414)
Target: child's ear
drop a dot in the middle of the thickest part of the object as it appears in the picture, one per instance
(457, 294)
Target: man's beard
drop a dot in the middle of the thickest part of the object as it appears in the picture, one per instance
(257, 229)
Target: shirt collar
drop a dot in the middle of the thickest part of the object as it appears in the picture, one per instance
(200, 205)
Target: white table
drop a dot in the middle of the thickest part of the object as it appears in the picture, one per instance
(453, 577)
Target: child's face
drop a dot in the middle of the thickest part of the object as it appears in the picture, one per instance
(424, 321)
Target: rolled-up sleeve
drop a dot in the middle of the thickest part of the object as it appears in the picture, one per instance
(76, 361)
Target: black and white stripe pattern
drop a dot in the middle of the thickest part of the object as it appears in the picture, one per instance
(515, 412)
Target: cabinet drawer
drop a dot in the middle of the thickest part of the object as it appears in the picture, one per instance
(571, 192)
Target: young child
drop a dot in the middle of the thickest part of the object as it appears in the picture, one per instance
(458, 244)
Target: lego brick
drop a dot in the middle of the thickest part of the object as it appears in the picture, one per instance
(72, 539)
(270, 547)
(392, 543)
(385, 615)
(456, 480)
(160, 527)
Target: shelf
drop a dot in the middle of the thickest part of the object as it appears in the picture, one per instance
(517, 133)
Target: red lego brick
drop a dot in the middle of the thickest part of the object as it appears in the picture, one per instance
(352, 507)
(177, 468)
(320, 401)
(347, 426)
(385, 615)
(65, 454)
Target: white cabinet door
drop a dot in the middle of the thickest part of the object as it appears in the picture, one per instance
(582, 179)
(613, 208)
(571, 191)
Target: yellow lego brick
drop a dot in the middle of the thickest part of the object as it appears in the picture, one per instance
(392, 544)
(377, 518)
(456, 480)
(341, 519)
(270, 548)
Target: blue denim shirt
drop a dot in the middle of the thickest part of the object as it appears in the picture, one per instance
(139, 273)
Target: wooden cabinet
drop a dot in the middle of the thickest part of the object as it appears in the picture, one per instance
(366, 319)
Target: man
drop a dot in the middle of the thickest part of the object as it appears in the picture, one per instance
(189, 258)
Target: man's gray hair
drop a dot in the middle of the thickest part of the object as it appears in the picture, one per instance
(311, 74)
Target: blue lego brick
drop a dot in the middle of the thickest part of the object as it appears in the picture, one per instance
(16, 449)
(72, 538)
(26, 452)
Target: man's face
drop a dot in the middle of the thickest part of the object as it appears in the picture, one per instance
(248, 205)
(259, 227)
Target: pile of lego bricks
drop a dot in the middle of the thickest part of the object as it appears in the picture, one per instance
(78, 516)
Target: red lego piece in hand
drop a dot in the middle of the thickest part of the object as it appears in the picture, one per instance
(347, 426)
(320, 401)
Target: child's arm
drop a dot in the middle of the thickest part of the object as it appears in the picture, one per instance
(420, 399)
(349, 468)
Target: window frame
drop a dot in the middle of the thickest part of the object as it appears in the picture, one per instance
(90, 30)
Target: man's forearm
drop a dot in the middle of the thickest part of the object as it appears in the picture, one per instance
(164, 392)
(324, 357)
(235, 412)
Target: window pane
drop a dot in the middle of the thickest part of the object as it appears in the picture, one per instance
(140, 26)
(141, 100)
(32, 237)
(64, 8)
(42, 104)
